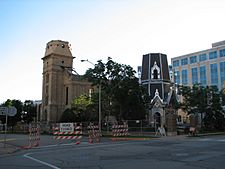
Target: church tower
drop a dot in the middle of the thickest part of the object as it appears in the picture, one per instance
(155, 74)
(57, 56)
(155, 78)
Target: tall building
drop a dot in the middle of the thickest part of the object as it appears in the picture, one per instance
(60, 85)
(206, 67)
(156, 79)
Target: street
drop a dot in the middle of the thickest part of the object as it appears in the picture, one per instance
(159, 153)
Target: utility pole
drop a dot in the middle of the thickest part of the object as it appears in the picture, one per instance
(99, 100)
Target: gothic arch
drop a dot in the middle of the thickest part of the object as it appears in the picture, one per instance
(157, 119)
(155, 71)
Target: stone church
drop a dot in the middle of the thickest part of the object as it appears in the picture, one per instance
(61, 84)
(155, 78)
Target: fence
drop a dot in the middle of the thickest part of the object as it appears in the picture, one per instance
(135, 127)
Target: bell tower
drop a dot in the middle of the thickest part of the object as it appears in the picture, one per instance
(155, 77)
(57, 56)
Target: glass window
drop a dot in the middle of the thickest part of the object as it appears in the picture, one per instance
(213, 55)
(184, 77)
(214, 74)
(202, 57)
(176, 63)
(222, 53)
(177, 77)
(222, 73)
(193, 59)
(203, 76)
(184, 61)
(194, 72)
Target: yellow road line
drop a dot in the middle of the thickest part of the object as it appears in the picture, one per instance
(11, 139)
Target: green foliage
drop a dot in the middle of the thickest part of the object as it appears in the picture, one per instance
(68, 116)
(31, 111)
(82, 106)
(122, 96)
(207, 102)
(81, 103)
(21, 107)
(14, 119)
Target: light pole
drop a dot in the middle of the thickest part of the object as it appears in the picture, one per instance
(99, 99)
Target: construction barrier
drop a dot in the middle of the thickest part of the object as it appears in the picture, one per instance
(119, 131)
(94, 133)
(68, 131)
(34, 136)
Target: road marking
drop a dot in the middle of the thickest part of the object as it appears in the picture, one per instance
(86, 147)
(39, 150)
(182, 154)
(205, 139)
(55, 167)
(221, 140)
(208, 139)
(58, 145)
(39, 161)
(10, 139)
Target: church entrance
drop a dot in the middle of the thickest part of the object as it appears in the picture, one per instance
(157, 119)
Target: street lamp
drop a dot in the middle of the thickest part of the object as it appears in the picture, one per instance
(86, 60)
(99, 98)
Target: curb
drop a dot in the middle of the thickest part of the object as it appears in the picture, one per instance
(207, 134)
(128, 139)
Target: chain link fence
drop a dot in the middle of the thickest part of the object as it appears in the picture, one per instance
(135, 127)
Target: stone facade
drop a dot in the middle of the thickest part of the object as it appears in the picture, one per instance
(155, 77)
(60, 85)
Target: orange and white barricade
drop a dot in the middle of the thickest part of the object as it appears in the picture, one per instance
(68, 131)
(94, 133)
(34, 136)
(120, 131)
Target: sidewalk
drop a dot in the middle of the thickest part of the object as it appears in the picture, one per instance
(8, 149)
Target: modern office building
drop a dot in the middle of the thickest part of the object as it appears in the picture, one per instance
(206, 67)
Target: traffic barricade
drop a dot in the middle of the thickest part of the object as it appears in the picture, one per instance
(68, 131)
(94, 134)
(34, 136)
(120, 132)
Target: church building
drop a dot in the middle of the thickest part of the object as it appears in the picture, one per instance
(61, 83)
(156, 79)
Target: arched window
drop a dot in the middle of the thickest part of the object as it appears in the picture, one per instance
(157, 119)
(155, 74)
(155, 71)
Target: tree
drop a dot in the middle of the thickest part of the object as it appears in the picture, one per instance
(68, 116)
(207, 102)
(122, 96)
(82, 106)
(14, 119)
(81, 110)
(215, 116)
(29, 111)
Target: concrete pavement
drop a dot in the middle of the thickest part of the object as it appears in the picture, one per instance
(8, 149)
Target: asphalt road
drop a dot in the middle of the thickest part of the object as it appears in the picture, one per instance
(162, 153)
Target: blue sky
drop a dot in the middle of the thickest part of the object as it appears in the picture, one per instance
(96, 29)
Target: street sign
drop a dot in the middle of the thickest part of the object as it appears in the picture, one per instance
(12, 111)
(3, 110)
(66, 127)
